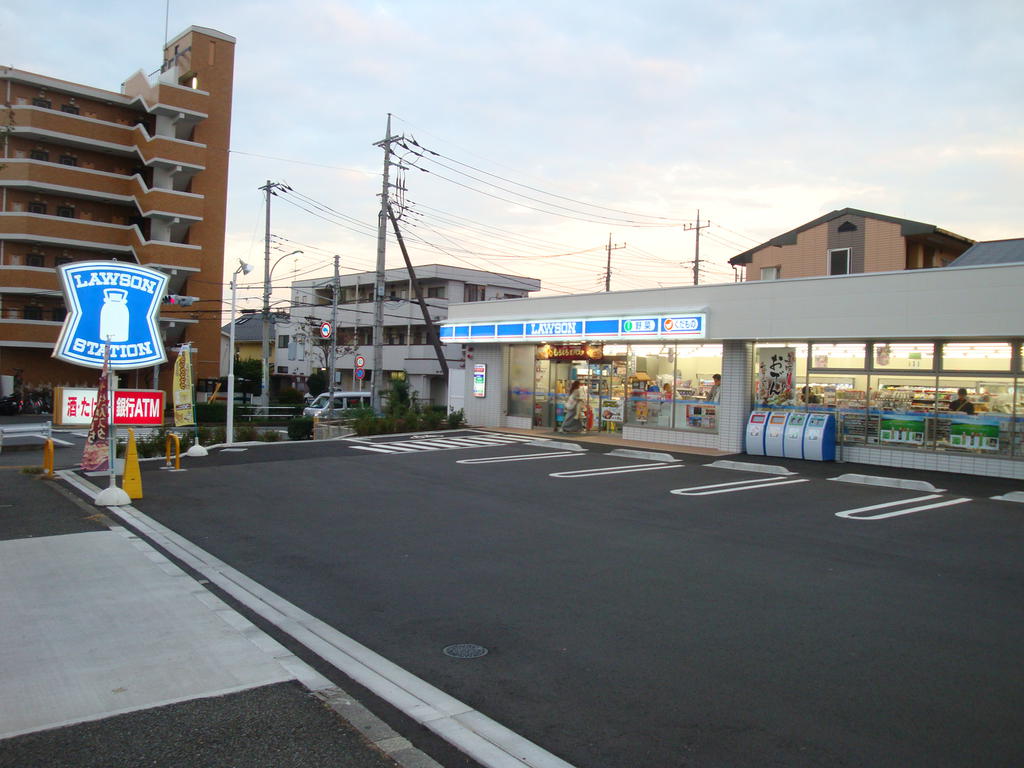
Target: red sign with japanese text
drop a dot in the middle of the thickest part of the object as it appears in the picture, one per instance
(138, 407)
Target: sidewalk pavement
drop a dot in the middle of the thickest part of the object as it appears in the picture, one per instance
(110, 655)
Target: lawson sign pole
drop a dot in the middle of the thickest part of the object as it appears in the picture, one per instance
(113, 311)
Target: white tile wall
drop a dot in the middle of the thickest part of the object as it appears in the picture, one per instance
(936, 462)
(487, 411)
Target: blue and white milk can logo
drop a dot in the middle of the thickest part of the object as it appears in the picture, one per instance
(111, 302)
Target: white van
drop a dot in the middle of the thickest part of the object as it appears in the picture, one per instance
(342, 401)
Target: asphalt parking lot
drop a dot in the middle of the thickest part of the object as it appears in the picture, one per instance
(644, 612)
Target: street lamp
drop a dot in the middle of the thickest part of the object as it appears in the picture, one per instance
(268, 270)
(245, 269)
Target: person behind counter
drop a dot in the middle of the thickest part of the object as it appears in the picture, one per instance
(961, 404)
(712, 395)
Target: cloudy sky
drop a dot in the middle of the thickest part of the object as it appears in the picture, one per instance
(560, 124)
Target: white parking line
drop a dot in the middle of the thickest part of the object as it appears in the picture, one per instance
(738, 485)
(851, 514)
(518, 457)
(614, 470)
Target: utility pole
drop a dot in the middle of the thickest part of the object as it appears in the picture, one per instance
(378, 288)
(432, 333)
(608, 269)
(334, 339)
(269, 188)
(696, 253)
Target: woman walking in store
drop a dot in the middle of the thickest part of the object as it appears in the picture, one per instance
(574, 408)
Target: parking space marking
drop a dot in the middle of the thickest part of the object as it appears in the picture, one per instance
(519, 457)
(430, 443)
(614, 470)
(851, 514)
(733, 487)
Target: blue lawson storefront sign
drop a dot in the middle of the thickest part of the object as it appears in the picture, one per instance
(115, 302)
(595, 329)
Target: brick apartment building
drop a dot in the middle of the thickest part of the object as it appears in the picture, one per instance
(138, 176)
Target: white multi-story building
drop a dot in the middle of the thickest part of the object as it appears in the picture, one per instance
(407, 347)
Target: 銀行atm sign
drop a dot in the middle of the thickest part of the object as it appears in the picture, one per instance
(132, 407)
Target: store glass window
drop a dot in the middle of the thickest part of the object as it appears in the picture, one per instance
(694, 398)
(900, 357)
(901, 411)
(651, 375)
(521, 373)
(975, 415)
(837, 356)
(976, 357)
(780, 373)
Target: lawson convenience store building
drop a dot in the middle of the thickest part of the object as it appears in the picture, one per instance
(885, 353)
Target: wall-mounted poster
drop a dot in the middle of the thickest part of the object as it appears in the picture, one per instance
(906, 428)
(775, 369)
(480, 380)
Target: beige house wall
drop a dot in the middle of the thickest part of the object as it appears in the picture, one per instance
(807, 258)
(886, 250)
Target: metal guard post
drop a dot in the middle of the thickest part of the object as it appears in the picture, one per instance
(177, 451)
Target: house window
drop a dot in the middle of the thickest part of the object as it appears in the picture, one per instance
(59, 313)
(71, 109)
(67, 211)
(435, 292)
(282, 369)
(68, 160)
(282, 341)
(473, 293)
(61, 260)
(839, 261)
(41, 102)
(33, 313)
(770, 273)
(39, 154)
(847, 226)
(33, 260)
(36, 207)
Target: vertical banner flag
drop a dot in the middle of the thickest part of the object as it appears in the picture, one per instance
(184, 414)
(96, 456)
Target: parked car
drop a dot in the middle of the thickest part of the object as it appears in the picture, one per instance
(342, 401)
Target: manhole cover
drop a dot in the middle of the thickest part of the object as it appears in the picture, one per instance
(465, 651)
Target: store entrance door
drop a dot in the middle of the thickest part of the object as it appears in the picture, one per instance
(555, 377)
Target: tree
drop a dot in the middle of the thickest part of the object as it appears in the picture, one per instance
(316, 383)
(248, 376)
(320, 356)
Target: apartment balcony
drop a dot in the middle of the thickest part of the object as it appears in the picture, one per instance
(163, 97)
(116, 238)
(29, 279)
(16, 330)
(76, 181)
(130, 141)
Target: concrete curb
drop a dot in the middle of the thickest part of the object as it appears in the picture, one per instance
(1016, 496)
(557, 445)
(888, 482)
(749, 466)
(630, 453)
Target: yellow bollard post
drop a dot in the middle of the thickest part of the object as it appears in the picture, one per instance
(48, 457)
(131, 483)
(177, 452)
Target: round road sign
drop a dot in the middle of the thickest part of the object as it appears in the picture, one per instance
(325, 330)
(360, 373)
(360, 361)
